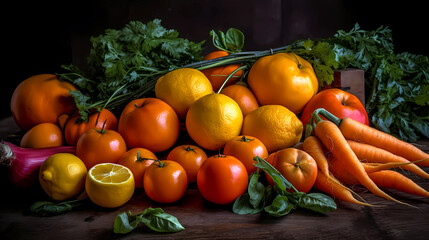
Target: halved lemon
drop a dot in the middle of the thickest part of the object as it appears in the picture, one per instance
(109, 185)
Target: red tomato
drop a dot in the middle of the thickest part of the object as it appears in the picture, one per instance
(297, 166)
(338, 102)
(137, 160)
(245, 148)
(222, 179)
(75, 127)
(100, 146)
(190, 157)
(149, 123)
(165, 181)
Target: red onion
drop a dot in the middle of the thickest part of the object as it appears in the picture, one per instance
(24, 163)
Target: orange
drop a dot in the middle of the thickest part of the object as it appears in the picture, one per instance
(283, 79)
(213, 120)
(43, 135)
(180, 88)
(218, 75)
(242, 96)
(276, 126)
(137, 160)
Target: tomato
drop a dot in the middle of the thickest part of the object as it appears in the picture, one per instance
(137, 160)
(297, 166)
(75, 127)
(100, 146)
(222, 179)
(243, 96)
(283, 79)
(190, 157)
(149, 123)
(245, 148)
(41, 98)
(165, 181)
(338, 102)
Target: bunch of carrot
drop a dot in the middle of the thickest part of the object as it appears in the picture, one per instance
(348, 152)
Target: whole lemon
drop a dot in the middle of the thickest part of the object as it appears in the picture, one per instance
(62, 176)
(213, 120)
(180, 88)
(109, 185)
(276, 126)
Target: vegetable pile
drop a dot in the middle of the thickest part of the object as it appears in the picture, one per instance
(145, 111)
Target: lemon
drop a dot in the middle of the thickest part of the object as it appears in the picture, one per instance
(109, 185)
(274, 125)
(180, 88)
(62, 176)
(213, 120)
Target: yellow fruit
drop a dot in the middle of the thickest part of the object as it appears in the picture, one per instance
(180, 88)
(275, 125)
(109, 185)
(62, 176)
(213, 120)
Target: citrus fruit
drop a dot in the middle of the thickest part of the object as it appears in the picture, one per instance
(242, 96)
(180, 88)
(137, 160)
(43, 135)
(109, 185)
(275, 125)
(283, 79)
(62, 176)
(213, 120)
(218, 75)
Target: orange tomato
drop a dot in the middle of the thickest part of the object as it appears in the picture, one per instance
(100, 146)
(149, 123)
(75, 127)
(137, 160)
(39, 99)
(165, 181)
(190, 157)
(297, 166)
(245, 148)
(283, 79)
(218, 75)
(243, 96)
(222, 179)
(43, 135)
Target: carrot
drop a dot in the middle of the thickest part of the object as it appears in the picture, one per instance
(375, 167)
(372, 154)
(356, 131)
(335, 189)
(332, 138)
(395, 180)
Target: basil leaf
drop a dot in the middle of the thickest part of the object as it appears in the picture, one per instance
(163, 222)
(280, 183)
(280, 207)
(256, 190)
(125, 223)
(234, 40)
(243, 206)
(46, 208)
(317, 202)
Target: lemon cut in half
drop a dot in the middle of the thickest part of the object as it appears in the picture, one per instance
(109, 185)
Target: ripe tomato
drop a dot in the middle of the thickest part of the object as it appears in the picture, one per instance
(245, 148)
(222, 179)
(338, 102)
(297, 166)
(218, 75)
(165, 181)
(75, 127)
(137, 160)
(190, 157)
(149, 123)
(41, 98)
(243, 96)
(100, 146)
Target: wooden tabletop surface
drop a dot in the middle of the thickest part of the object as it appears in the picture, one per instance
(203, 220)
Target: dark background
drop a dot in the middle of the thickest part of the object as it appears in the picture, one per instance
(40, 36)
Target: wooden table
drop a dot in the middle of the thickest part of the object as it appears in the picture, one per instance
(203, 220)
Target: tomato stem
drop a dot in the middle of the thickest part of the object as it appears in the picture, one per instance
(141, 159)
(297, 60)
(189, 148)
(160, 164)
(101, 131)
(245, 139)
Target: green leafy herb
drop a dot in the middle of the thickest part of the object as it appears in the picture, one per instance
(232, 41)
(278, 201)
(154, 218)
(47, 208)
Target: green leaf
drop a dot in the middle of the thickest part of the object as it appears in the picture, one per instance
(232, 41)
(46, 208)
(280, 183)
(243, 206)
(317, 202)
(280, 207)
